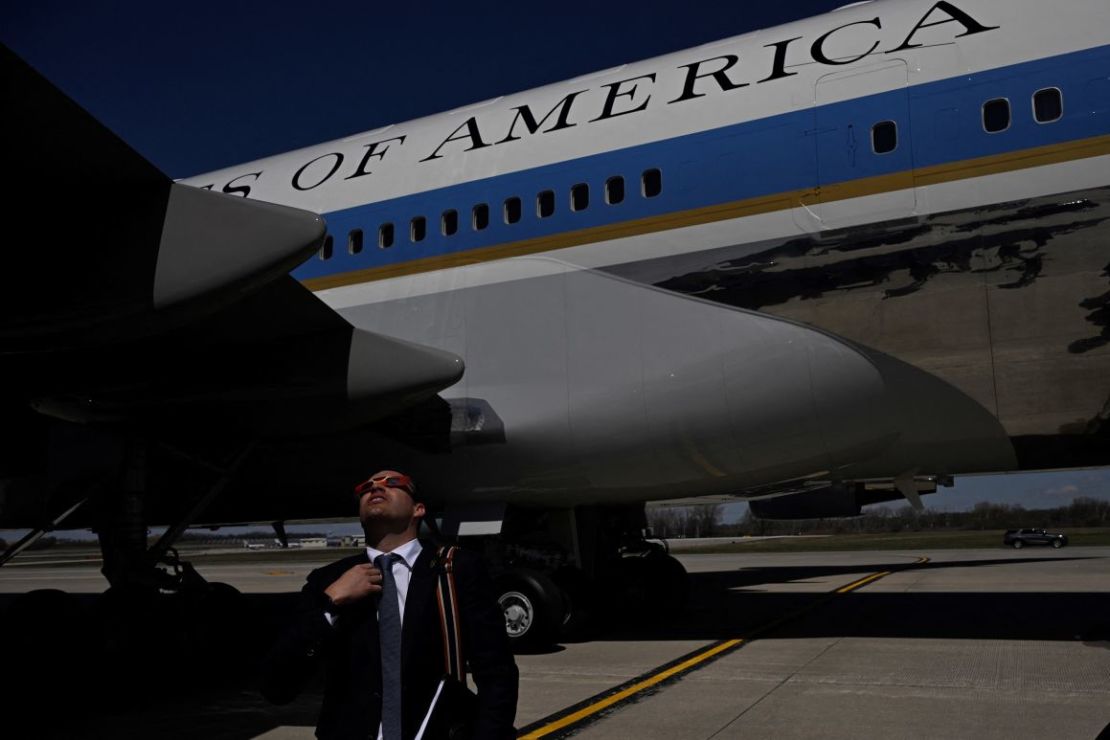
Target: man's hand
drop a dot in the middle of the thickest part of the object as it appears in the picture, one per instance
(354, 585)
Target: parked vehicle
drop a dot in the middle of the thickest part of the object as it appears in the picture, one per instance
(1018, 538)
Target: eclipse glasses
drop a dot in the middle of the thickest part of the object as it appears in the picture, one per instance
(385, 481)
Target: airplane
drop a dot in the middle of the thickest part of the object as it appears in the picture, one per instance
(821, 265)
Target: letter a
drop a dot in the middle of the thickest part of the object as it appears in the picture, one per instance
(955, 15)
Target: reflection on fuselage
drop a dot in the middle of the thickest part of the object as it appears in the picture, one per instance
(1008, 303)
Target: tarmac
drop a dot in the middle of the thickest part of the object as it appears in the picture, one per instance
(942, 644)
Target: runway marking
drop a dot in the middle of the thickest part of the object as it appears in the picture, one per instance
(862, 582)
(575, 717)
(46, 563)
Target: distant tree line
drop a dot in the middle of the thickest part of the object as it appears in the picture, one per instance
(701, 520)
(704, 520)
(1082, 512)
(193, 538)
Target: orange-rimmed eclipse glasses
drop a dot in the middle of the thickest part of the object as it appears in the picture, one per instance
(385, 481)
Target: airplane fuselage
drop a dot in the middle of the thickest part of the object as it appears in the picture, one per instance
(865, 245)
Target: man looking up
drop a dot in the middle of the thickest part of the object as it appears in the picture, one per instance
(372, 621)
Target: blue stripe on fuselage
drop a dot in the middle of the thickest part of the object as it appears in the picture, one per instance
(778, 154)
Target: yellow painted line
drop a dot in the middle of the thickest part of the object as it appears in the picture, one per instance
(602, 703)
(635, 688)
(921, 560)
(863, 582)
(935, 175)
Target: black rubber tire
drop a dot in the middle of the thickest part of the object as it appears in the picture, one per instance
(47, 627)
(217, 621)
(671, 585)
(1057, 544)
(658, 580)
(1018, 544)
(41, 634)
(580, 602)
(533, 608)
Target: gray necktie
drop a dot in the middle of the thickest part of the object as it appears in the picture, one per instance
(389, 633)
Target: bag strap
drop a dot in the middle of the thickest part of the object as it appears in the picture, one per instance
(448, 599)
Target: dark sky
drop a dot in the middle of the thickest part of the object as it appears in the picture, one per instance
(201, 85)
(197, 86)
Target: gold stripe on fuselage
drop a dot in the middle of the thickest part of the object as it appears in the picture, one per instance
(935, 175)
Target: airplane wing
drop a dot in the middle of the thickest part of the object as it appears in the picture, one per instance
(102, 247)
(159, 309)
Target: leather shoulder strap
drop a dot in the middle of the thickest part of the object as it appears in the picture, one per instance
(448, 601)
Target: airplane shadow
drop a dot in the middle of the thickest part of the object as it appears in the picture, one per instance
(728, 604)
(173, 690)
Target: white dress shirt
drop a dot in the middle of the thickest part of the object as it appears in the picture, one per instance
(402, 569)
(402, 573)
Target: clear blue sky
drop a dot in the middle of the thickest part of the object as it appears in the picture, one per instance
(202, 85)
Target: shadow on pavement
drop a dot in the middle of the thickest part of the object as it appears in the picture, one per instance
(86, 667)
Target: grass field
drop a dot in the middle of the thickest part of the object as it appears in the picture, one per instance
(926, 540)
(947, 539)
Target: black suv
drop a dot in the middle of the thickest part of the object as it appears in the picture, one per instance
(1018, 538)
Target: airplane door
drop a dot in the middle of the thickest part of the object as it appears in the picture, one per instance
(864, 153)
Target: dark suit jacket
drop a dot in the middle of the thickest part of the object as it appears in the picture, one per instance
(350, 655)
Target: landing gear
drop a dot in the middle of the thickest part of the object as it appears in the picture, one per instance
(580, 601)
(558, 571)
(44, 631)
(658, 582)
(157, 603)
(533, 607)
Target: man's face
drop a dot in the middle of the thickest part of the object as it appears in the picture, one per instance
(384, 503)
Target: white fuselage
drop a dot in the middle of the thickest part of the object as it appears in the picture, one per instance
(827, 257)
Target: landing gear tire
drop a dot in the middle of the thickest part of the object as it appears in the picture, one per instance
(47, 627)
(216, 620)
(658, 583)
(673, 582)
(41, 633)
(579, 601)
(533, 609)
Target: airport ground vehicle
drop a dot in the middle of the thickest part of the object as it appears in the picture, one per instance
(1019, 538)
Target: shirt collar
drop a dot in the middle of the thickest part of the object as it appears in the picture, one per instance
(409, 552)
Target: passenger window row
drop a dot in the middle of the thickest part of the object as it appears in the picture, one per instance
(1048, 107)
(1047, 103)
(512, 211)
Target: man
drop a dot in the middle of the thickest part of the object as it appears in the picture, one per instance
(345, 624)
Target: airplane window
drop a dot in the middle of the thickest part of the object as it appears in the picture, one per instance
(1048, 105)
(479, 217)
(884, 137)
(326, 250)
(417, 229)
(996, 115)
(580, 197)
(512, 210)
(385, 236)
(354, 241)
(651, 183)
(614, 190)
(449, 222)
(545, 203)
